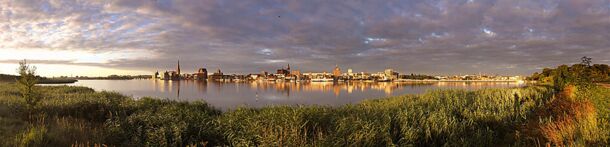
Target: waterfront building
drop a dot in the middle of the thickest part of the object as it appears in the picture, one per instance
(361, 76)
(165, 76)
(254, 76)
(337, 72)
(217, 75)
(390, 74)
(264, 74)
(349, 75)
(202, 74)
(318, 77)
(175, 75)
(170, 75)
(350, 72)
(283, 71)
(296, 74)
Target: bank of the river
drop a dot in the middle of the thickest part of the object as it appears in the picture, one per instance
(56, 81)
(41, 80)
(487, 117)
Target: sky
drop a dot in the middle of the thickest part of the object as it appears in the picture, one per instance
(439, 37)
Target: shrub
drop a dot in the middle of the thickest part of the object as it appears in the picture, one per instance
(27, 83)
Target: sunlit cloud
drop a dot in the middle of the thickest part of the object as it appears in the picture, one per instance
(265, 51)
(273, 61)
(56, 70)
(76, 56)
(488, 32)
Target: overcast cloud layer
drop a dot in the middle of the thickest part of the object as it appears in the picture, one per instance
(245, 36)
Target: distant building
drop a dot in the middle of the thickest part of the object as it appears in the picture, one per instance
(172, 75)
(391, 74)
(254, 76)
(218, 75)
(202, 74)
(337, 71)
(166, 76)
(283, 71)
(362, 76)
(324, 76)
(296, 73)
(264, 74)
(175, 75)
(218, 72)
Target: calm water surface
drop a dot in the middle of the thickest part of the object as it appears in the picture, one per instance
(258, 94)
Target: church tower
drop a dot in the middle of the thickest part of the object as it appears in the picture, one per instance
(337, 71)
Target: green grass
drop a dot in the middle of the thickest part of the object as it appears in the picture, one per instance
(601, 99)
(77, 115)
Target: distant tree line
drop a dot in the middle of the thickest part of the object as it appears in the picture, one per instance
(116, 77)
(581, 73)
(12, 78)
(8, 78)
(417, 77)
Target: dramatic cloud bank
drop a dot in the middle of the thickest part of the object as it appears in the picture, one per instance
(412, 36)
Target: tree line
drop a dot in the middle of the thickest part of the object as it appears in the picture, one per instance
(583, 73)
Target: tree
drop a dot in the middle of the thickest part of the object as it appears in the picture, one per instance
(27, 82)
(561, 77)
(584, 71)
(586, 61)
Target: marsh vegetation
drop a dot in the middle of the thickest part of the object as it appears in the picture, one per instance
(517, 116)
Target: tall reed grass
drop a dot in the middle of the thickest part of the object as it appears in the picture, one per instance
(438, 117)
(488, 117)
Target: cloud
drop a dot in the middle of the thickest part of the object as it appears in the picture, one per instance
(419, 36)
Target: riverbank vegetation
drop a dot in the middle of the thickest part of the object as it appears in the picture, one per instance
(41, 80)
(593, 73)
(568, 111)
(518, 116)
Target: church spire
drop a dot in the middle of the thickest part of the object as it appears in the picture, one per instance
(178, 70)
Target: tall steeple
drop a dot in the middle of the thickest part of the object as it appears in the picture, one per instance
(178, 70)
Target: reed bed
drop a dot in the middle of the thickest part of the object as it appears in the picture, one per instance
(488, 117)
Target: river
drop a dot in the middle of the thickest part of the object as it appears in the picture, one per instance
(258, 94)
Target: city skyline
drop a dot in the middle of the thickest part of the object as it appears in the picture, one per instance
(438, 37)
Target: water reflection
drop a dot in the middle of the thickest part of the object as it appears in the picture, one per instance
(335, 88)
(258, 94)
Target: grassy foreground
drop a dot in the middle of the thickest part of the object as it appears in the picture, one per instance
(534, 115)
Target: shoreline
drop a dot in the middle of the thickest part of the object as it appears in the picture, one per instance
(349, 81)
(57, 81)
